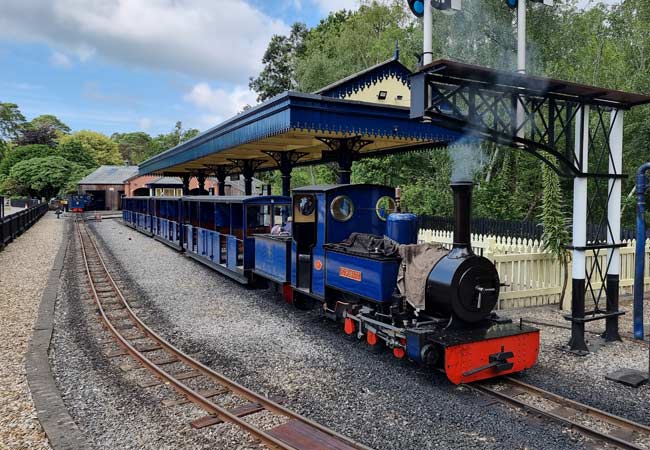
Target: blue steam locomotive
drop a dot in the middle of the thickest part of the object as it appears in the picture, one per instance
(344, 247)
(79, 202)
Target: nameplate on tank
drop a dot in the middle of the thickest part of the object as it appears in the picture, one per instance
(350, 273)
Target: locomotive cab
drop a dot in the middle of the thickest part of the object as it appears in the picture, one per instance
(324, 216)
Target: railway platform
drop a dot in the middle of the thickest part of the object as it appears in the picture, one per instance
(24, 269)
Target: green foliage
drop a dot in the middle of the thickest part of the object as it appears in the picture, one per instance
(11, 120)
(17, 154)
(164, 142)
(134, 147)
(345, 43)
(74, 151)
(50, 121)
(45, 177)
(100, 147)
(556, 233)
(279, 62)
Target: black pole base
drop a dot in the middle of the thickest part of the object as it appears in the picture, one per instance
(611, 333)
(577, 344)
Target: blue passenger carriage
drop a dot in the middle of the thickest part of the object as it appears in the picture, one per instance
(220, 231)
(166, 223)
(141, 214)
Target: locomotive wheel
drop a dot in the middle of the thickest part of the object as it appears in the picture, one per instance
(375, 344)
(349, 329)
(431, 356)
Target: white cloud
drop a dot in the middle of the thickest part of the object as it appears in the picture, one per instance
(218, 103)
(58, 59)
(222, 39)
(145, 123)
(327, 6)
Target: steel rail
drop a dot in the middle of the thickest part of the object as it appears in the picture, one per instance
(590, 410)
(608, 418)
(193, 396)
(206, 371)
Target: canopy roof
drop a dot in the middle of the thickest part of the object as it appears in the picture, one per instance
(457, 72)
(294, 121)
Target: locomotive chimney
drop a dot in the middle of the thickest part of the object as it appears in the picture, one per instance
(462, 214)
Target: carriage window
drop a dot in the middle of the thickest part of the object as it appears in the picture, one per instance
(258, 219)
(342, 208)
(385, 205)
(280, 214)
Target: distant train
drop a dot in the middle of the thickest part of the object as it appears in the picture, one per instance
(79, 202)
(345, 247)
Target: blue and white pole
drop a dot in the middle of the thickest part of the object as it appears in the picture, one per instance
(639, 266)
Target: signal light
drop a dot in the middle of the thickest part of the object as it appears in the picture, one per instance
(417, 7)
(512, 4)
(441, 4)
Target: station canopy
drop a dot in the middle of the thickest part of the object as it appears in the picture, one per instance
(372, 105)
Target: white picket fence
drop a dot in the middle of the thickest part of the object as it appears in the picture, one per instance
(534, 277)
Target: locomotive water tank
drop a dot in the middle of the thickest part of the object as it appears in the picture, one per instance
(402, 228)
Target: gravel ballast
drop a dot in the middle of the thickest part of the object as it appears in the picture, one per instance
(253, 337)
(582, 378)
(24, 268)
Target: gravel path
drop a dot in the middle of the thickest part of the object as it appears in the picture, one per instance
(24, 268)
(255, 338)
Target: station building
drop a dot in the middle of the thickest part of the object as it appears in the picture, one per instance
(107, 185)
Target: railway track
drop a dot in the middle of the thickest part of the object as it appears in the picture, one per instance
(295, 432)
(597, 424)
(625, 336)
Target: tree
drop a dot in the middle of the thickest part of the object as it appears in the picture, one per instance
(45, 177)
(50, 121)
(164, 142)
(75, 152)
(345, 43)
(11, 120)
(100, 147)
(556, 235)
(18, 154)
(134, 147)
(37, 135)
(279, 62)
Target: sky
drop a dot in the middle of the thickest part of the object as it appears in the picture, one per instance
(141, 65)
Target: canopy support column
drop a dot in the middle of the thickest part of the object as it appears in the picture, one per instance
(614, 221)
(186, 183)
(248, 168)
(200, 178)
(220, 172)
(577, 342)
(344, 151)
(286, 161)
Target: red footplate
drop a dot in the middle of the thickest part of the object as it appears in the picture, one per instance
(464, 358)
